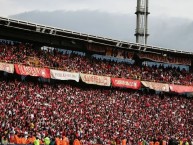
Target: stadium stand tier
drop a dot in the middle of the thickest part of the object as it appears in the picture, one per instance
(90, 113)
(25, 54)
(59, 87)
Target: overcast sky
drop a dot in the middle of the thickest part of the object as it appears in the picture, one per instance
(174, 8)
(173, 16)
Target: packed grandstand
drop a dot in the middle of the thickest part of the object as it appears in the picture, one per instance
(59, 87)
(74, 97)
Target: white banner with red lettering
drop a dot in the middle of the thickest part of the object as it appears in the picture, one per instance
(96, 80)
(126, 83)
(7, 67)
(156, 86)
(63, 75)
(32, 71)
(181, 89)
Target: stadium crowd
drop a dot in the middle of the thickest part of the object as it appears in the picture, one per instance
(94, 115)
(26, 54)
(66, 111)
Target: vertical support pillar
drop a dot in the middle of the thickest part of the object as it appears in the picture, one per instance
(142, 13)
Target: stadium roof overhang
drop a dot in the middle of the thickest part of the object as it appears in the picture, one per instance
(22, 30)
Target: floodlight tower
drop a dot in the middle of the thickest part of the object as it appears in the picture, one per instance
(142, 13)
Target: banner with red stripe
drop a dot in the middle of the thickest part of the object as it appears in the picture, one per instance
(181, 89)
(126, 83)
(32, 71)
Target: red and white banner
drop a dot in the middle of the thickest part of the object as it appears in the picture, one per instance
(7, 67)
(32, 71)
(97, 80)
(156, 86)
(181, 89)
(63, 75)
(126, 83)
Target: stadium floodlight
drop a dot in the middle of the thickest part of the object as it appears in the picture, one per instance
(142, 13)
